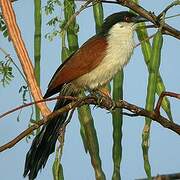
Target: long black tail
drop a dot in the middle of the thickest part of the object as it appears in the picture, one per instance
(44, 143)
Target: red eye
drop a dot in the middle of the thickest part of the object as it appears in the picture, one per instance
(127, 19)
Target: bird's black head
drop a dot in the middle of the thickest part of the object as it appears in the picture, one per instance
(120, 17)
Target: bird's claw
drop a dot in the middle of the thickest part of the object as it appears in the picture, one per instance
(113, 106)
(110, 103)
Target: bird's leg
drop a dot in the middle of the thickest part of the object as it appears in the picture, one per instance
(103, 94)
(104, 91)
(101, 91)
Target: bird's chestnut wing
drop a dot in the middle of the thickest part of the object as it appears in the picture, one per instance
(81, 62)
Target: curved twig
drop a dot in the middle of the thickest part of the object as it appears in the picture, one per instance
(35, 102)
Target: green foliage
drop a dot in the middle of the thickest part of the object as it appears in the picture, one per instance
(55, 22)
(51, 4)
(3, 27)
(24, 90)
(6, 74)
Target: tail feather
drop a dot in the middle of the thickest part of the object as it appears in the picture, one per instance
(44, 143)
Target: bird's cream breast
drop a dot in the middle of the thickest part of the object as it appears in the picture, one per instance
(118, 52)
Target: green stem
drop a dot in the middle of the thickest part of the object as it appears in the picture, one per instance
(147, 50)
(37, 45)
(72, 29)
(98, 16)
(91, 141)
(117, 119)
(88, 130)
(154, 65)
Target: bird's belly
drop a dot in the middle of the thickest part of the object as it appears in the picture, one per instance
(96, 78)
(117, 56)
(104, 72)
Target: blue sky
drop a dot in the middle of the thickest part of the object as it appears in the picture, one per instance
(164, 144)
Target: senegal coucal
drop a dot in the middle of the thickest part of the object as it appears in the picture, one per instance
(90, 67)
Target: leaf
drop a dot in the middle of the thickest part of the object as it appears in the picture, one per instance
(6, 72)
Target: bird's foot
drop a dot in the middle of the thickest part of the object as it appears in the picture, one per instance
(105, 101)
(103, 96)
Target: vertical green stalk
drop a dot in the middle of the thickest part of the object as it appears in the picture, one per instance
(98, 16)
(117, 120)
(117, 94)
(147, 50)
(154, 65)
(88, 131)
(160, 87)
(72, 30)
(91, 143)
(37, 45)
(57, 167)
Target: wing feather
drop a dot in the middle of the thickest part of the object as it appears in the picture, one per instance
(81, 62)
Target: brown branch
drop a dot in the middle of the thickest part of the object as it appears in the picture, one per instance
(105, 103)
(164, 177)
(166, 29)
(163, 94)
(35, 102)
(36, 126)
(19, 45)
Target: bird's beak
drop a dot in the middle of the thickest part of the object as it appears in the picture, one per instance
(139, 19)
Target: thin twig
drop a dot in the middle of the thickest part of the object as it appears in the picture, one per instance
(129, 114)
(7, 56)
(36, 102)
(163, 94)
(146, 39)
(174, 3)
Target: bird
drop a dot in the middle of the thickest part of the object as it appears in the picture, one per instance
(89, 68)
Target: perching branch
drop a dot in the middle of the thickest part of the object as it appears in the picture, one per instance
(156, 20)
(166, 29)
(105, 103)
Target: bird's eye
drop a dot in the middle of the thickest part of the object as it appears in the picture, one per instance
(127, 19)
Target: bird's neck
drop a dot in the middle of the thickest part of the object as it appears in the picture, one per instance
(120, 47)
(121, 38)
